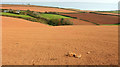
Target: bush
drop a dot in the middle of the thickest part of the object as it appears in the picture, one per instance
(23, 13)
(50, 12)
(53, 22)
(65, 22)
(57, 22)
(10, 11)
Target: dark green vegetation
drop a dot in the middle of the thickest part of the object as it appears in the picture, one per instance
(51, 19)
(55, 22)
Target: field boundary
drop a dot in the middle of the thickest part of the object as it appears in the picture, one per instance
(35, 17)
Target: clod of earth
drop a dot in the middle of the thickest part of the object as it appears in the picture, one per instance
(78, 56)
(88, 52)
(71, 54)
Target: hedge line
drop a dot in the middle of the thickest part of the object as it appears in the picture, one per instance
(30, 19)
(38, 18)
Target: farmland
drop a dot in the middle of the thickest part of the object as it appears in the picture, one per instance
(95, 18)
(117, 12)
(46, 38)
(25, 42)
(35, 8)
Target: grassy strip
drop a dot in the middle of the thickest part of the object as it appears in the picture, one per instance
(52, 16)
(68, 16)
(29, 19)
(26, 17)
(11, 14)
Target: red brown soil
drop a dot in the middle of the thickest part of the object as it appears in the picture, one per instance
(79, 22)
(27, 43)
(35, 8)
(107, 13)
(99, 19)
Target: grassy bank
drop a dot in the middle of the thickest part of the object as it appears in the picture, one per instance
(52, 16)
(11, 14)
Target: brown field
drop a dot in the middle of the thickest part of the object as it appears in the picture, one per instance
(99, 19)
(79, 22)
(108, 13)
(35, 8)
(27, 43)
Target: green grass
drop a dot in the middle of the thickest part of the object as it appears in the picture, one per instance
(110, 11)
(11, 14)
(52, 16)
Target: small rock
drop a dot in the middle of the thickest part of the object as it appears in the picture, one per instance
(78, 56)
(88, 52)
(71, 54)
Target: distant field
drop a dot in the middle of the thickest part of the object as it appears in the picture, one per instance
(35, 8)
(117, 12)
(95, 18)
(11, 14)
(52, 16)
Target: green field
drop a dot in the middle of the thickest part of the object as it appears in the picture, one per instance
(117, 12)
(52, 16)
(11, 14)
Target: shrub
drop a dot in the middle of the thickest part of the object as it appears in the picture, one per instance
(23, 13)
(53, 22)
(66, 22)
(61, 21)
(50, 12)
(57, 22)
(10, 11)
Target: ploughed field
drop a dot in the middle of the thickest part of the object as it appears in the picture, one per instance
(79, 22)
(95, 18)
(34, 8)
(31, 43)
